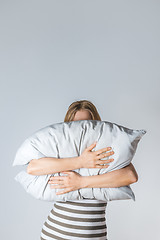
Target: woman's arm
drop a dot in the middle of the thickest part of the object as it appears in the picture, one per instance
(73, 181)
(117, 178)
(51, 165)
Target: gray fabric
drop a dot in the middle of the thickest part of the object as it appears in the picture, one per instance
(69, 139)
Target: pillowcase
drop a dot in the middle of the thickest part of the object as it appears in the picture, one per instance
(69, 139)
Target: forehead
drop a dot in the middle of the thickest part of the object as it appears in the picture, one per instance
(82, 113)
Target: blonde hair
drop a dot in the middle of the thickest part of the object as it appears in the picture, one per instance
(81, 105)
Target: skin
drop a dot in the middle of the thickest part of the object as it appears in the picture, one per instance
(88, 159)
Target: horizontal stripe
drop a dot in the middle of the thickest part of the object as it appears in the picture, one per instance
(72, 234)
(56, 235)
(44, 237)
(76, 226)
(84, 204)
(70, 230)
(79, 211)
(88, 207)
(51, 236)
(78, 219)
(77, 215)
(73, 221)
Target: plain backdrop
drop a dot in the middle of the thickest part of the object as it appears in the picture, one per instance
(54, 52)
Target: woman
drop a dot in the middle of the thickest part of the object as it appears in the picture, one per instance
(80, 219)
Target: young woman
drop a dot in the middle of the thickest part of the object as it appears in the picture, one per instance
(80, 219)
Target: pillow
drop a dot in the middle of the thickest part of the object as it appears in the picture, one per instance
(69, 139)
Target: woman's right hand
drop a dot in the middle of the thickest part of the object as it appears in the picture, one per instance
(91, 159)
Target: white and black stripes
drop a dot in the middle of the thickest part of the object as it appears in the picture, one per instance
(78, 220)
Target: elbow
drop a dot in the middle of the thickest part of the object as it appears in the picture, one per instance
(30, 167)
(133, 177)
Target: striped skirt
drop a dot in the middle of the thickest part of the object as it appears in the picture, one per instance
(78, 220)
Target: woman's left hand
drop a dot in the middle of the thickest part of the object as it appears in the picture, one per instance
(70, 182)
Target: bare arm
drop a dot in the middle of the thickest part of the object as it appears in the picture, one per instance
(88, 159)
(51, 165)
(117, 178)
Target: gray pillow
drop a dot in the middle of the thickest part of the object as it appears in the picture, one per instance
(69, 139)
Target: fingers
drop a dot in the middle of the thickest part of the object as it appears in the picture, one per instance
(104, 161)
(57, 186)
(92, 146)
(63, 192)
(60, 177)
(104, 155)
(103, 150)
(99, 151)
(55, 179)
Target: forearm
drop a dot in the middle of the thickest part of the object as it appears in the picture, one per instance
(51, 165)
(116, 178)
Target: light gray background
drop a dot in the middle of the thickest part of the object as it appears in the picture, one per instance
(55, 52)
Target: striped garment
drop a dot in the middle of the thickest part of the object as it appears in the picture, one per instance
(78, 220)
